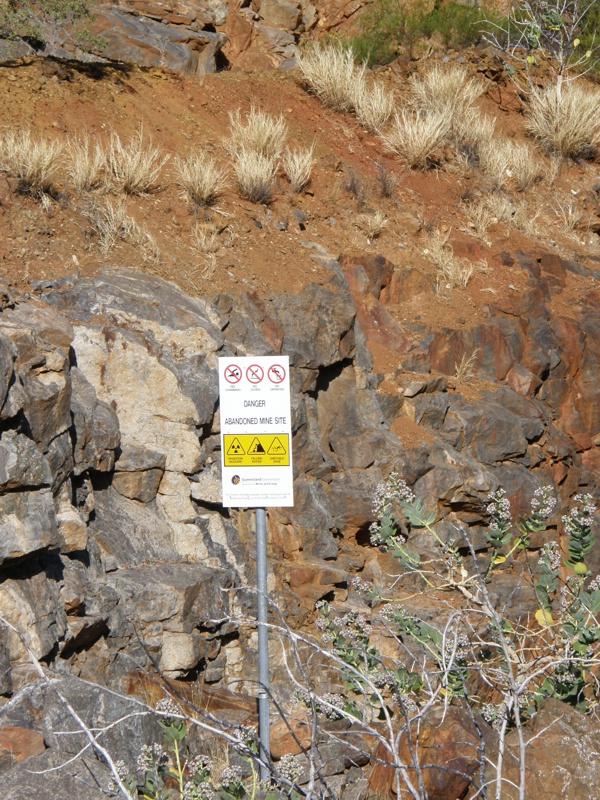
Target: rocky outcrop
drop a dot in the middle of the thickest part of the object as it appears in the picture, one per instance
(115, 552)
(109, 456)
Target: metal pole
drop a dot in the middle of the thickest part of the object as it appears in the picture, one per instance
(263, 645)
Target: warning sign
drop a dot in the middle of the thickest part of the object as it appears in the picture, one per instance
(256, 431)
(264, 450)
(235, 448)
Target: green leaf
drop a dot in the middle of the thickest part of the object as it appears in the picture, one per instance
(417, 515)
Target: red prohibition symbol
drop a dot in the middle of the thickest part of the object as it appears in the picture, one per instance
(254, 373)
(233, 374)
(276, 373)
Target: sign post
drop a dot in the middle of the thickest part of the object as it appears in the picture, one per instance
(256, 464)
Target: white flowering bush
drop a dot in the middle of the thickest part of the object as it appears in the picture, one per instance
(499, 663)
(171, 772)
(376, 667)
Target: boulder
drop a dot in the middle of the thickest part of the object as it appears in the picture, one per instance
(488, 431)
(138, 473)
(22, 465)
(46, 383)
(30, 601)
(152, 411)
(17, 744)
(152, 43)
(180, 597)
(351, 422)
(318, 325)
(283, 14)
(7, 357)
(27, 524)
(125, 532)
(448, 753)
(96, 427)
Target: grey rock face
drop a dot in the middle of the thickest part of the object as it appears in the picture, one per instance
(179, 596)
(30, 600)
(96, 427)
(153, 43)
(27, 523)
(22, 465)
(280, 14)
(138, 473)
(317, 325)
(7, 356)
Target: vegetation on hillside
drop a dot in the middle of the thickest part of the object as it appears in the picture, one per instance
(47, 22)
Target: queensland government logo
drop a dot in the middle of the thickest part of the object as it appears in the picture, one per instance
(235, 480)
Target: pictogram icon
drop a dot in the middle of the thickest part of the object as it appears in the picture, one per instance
(254, 373)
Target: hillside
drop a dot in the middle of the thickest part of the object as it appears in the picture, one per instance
(442, 323)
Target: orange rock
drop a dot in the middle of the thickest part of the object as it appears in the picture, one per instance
(447, 743)
(17, 744)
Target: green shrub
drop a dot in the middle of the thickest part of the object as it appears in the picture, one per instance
(386, 28)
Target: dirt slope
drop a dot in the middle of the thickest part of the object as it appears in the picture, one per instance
(266, 247)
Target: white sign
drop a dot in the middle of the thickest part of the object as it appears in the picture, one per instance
(256, 432)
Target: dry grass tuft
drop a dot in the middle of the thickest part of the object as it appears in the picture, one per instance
(487, 211)
(373, 105)
(32, 162)
(199, 178)
(353, 184)
(568, 215)
(255, 174)
(526, 219)
(472, 132)
(504, 161)
(111, 223)
(206, 241)
(565, 119)
(259, 132)
(449, 90)
(387, 180)
(451, 271)
(373, 225)
(87, 166)
(332, 74)
(298, 166)
(135, 166)
(415, 136)
(464, 370)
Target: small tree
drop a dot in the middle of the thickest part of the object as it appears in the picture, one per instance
(552, 31)
(48, 22)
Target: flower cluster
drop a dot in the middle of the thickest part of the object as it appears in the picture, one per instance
(499, 508)
(581, 515)
(550, 556)
(121, 769)
(393, 490)
(406, 703)
(543, 503)
(396, 613)
(382, 679)
(231, 776)
(457, 647)
(200, 763)
(151, 756)
(198, 791)
(594, 584)
(167, 707)
(494, 714)
(290, 768)
(329, 705)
